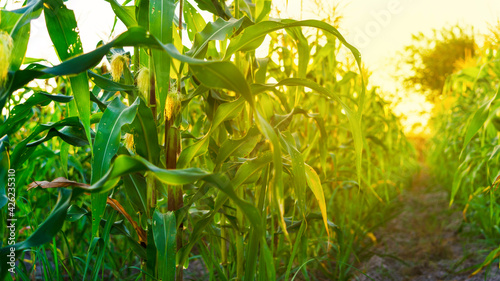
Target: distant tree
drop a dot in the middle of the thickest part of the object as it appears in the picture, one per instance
(429, 60)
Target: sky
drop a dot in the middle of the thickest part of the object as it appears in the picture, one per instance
(382, 28)
(95, 22)
(378, 28)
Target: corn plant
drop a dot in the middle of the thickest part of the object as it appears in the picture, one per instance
(180, 153)
(466, 148)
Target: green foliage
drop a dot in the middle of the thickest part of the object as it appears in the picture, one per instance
(465, 147)
(256, 180)
(431, 59)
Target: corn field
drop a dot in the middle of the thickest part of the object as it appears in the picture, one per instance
(205, 161)
(468, 143)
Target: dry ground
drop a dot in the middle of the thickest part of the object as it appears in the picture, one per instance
(426, 241)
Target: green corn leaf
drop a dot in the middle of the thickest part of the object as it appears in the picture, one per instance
(43, 234)
(217, 30)
(252, 255)
(17, 23)
(261, 73)
(160, 24)
(268, 262)
(80, 89)
(189, 153)
(487, 261)
(246, 208)
(9, 20)
(151, 255)
(225, 111)
(124, 165)
(118, 228)
(252, 36)
(315, 185)
(215, 7)
(213, 74)
(96, 246)
(142, 13)
(22, 112)
(221, 75)
(477, 121)
(262, 10)
(20, 45)
(135, 188)
(238, 148)
(102, 247)
(462, 171)
(21, 31)
(21, 152)
(194, 20)
(125, 13)
(278, 189)
(108, 84)
(164, 233)
(63, 32)
(283, 121)
(145, 136)
(296, 245)
(303, 56)
(354, 120)
(251, 169)
(74, 135)
(4, 167)
(29, 12)
(106, 144)
(96, 117)
(63, 29)
(298, 169)
(75, 213)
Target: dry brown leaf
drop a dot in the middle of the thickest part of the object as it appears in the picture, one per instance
(141, 233)
(58, 182)
(63, 182)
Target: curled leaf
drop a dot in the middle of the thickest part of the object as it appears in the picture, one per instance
(141, 233)
(63, 182)
(58, 182)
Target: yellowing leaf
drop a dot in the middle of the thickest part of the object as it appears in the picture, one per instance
(315, 185)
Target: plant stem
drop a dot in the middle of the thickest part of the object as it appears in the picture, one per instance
(172, 149)
(181, 4)
(136, 61)
(237, 9)
(152, 92)
(150, 180)
(223, 247)
(240, 259)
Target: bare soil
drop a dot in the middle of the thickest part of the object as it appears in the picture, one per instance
(427, 240)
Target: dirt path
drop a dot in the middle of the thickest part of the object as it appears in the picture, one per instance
(426, 241)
